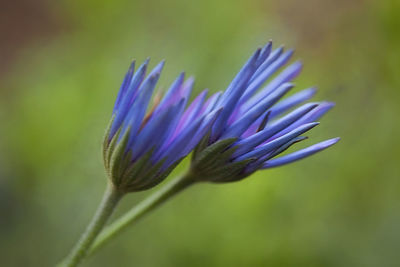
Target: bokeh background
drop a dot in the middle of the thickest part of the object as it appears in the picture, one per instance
(61, 63)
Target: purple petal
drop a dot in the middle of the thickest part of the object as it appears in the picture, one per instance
(258, 80)
(300, 154)
(292, 101)
(152, 132)
(128, 98)
(245, 145)
(233, 94)
(270, 146)
(240, 126)
(171, 93)
(124, 85)
(193, 111)
(285, 76)
(314, 115)
(136, 113)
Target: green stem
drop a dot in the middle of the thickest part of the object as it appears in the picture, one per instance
(144, 207)
(110, 199)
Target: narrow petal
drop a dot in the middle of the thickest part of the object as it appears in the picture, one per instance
(314, 115)
(265, 52)
(292, 101)
(245, 145)
(186, 89)
(266, 74)
(124, 85)
(274, 144)
(128, 98)
(192, 111)
(285, 76)
(300, 154)
(172, 91)
(172, 152)
(172, 124)
(271, 58)
(203, 129)
(211, 102)
(136, 114)
(233, 94)
(240, 126)
(152, 132)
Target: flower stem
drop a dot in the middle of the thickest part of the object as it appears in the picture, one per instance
(144, 207)
(110, 199)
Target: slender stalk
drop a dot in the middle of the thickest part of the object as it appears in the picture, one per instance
(144, 207)
(110, 199)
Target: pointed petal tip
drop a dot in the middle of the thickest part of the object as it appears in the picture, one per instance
(162, 63)
(332, 141)
(290, 85)
(311, 124)
(205, 92)
(190, 79)
(312, 90)
(298, 64)
(290, 52)
(312, 105)
(327, 104)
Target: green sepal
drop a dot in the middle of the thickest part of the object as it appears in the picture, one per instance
(125, 163)
(213, 153)
(133, 172)
(117, 155)
(106, 138)
(203, 144)
(161, 176)
(148, 173)
(109, 151)
(230, 172)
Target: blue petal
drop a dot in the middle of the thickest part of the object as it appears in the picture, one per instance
(300, 154)
(265, 52)
(258, 80)
(152, 132)
(192, 111)
(203, 129)
(128, 98)
(136, 113)
(186, 89)
(124, 85)
(245, 145)
(170, 133)
(232, 95)
(270, 146)
(211, 102)
(172, 153)
(314, 115)
(253, 166)
(271, 58)
(286, 75)
(172, 91)
(240, 126)
(292, 101)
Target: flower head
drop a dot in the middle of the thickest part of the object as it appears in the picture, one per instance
(142, 145)
(250, 132)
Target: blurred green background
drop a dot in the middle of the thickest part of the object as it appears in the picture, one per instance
(61, 66)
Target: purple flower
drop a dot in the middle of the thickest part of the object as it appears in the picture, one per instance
(142, 145)
(255, 125)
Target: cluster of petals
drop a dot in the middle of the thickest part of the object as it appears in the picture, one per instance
(253, 111)
(263, 123)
